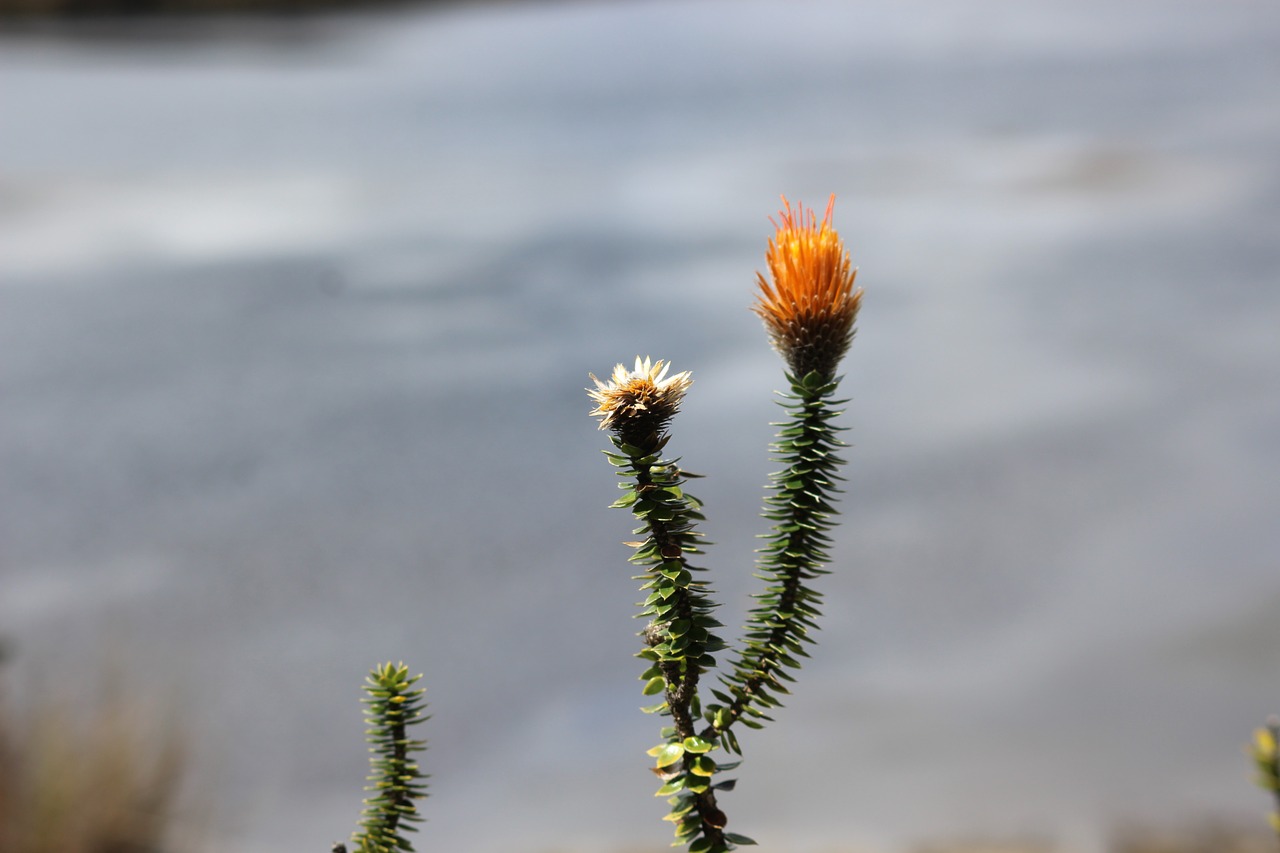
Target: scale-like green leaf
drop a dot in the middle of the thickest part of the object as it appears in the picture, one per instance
(666, 754)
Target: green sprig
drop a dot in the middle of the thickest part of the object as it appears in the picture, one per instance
(779, 627)
(1265, 751)
(680, 639)
(391, 706)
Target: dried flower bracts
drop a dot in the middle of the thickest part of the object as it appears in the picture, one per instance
(638, 404)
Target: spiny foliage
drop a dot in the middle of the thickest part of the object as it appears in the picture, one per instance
(800, 507)
(392, 705)
(680, 639)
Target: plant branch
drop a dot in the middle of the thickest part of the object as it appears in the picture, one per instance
(678, 639)
(393, 704)
(800, 505)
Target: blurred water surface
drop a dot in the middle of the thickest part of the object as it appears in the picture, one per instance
(295, 318)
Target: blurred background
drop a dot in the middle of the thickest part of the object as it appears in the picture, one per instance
(296, 313)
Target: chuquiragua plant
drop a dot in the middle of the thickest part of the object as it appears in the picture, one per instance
(809, 304)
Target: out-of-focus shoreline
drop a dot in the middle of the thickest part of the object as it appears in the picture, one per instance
(165, 17)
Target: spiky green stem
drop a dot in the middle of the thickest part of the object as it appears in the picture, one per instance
(800, 507)
(679, 638)
(392, 705)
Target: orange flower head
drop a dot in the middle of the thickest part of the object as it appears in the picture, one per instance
(638, 404)
(810, 308)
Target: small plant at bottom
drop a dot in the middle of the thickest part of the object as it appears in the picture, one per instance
(392, 705)
(1265, 751)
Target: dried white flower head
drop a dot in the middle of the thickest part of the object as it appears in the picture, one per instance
(638, 404)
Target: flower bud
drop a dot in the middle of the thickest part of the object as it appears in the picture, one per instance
(810, 307)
